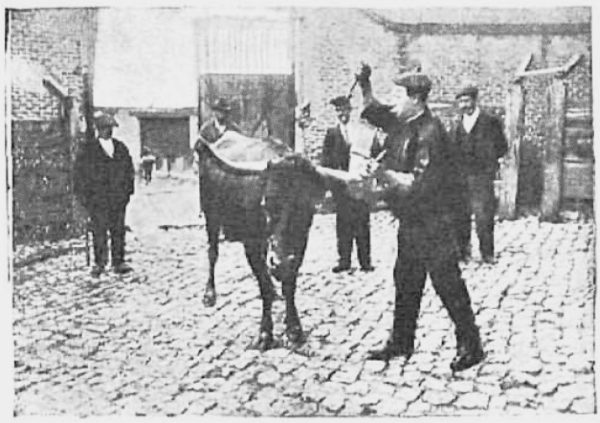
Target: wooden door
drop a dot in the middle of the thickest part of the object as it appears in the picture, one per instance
(167, 138)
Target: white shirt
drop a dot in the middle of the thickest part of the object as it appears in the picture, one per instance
(108, 146)
(346, 132)
(220, 128)
(359, 139)
(469, 120)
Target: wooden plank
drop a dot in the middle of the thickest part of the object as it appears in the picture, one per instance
(559, 71)
(509, 170)
(540, 72)
(298, 72)
(577, 132)
(578, 179)
(523, 67)
(579, 113)
(570, 65)
(579, 119)
(553, 150)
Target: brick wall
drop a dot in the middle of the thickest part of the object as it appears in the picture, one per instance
(334, 41)
(45, 42)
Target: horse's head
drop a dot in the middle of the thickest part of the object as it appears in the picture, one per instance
(293, 188)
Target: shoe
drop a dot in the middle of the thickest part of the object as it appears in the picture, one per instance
(368, 268)
(121, 268)
(489, 259)
(390, 351)
(341, 268)
(466, 359)
(96, 271)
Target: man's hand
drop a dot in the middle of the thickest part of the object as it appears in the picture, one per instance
(401, 182)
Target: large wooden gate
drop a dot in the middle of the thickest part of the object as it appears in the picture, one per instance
(568, 148)
(167, 138)
(262, 105)
(568, 145)
(578, 162)
(249, 62)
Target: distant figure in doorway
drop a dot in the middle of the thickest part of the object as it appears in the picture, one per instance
(148, 161)
(479, 140)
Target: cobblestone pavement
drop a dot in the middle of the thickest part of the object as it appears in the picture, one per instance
(143, 344)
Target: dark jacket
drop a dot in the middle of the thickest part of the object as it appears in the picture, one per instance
(210, 133)
(421, 147)
(336, 155)
(101, 181)
(481, 148)
(427, 211)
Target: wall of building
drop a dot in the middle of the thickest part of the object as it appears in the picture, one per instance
(45, 44)
(334, 41)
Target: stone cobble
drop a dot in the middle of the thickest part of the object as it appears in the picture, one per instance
(143, 344)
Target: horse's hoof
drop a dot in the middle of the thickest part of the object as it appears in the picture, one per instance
(295, 336)
(209, 300)
(264, 342)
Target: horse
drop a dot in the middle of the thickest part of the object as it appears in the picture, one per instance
(263, 195)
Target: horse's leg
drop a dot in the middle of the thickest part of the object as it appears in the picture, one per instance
(212, 230)
(256, 255)
(292, 321)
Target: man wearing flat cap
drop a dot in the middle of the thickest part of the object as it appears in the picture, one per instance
(214, 128)
(104, 182)
(480, 142)
(352, 215)
(421, 185)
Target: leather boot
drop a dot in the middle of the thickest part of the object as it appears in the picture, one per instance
(470, 352)
(391, 350)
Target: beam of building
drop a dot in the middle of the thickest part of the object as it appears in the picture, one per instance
(482, 29)
(560, 71)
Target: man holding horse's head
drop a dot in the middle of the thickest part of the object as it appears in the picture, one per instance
(352, 215)
(423, 188)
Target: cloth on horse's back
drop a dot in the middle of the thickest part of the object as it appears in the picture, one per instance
(234, 196)
(239, 148)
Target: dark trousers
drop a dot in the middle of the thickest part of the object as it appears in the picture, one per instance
(108, 220)
(479, 200)
(413, 263)
(147, 171)
(353, 224)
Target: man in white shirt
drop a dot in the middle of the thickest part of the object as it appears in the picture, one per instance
(352, 216)
(103, 183)
(479, 141)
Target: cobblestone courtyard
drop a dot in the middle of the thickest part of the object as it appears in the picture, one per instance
(143, 344)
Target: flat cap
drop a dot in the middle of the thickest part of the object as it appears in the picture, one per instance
(340, 101)
(468, 90)
(102, 120)
(414, 82)
(221, 104)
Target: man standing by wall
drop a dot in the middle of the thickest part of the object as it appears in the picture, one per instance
(480, 142)
(104, 182)
(352, 216)
(421, 183)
